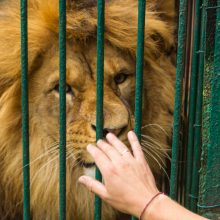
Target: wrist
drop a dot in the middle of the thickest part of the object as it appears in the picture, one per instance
(149, 203)
(164, 208)
(155, 208)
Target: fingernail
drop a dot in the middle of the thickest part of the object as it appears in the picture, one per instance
(99, 141)
(110, 135)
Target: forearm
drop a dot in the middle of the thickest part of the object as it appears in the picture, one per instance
(163, 208)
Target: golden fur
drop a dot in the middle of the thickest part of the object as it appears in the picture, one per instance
(120, 47)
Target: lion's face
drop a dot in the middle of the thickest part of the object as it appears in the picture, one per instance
(119, 90)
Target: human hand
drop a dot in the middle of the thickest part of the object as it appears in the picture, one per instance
(128, 181)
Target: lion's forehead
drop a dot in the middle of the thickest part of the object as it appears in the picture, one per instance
(81, 65)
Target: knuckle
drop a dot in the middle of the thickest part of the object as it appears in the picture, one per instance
(125, 165)
(111, 170)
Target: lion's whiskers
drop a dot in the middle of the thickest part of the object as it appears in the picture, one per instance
(158, 144)
(156, 150)
(19, 170)
(156, 126)
(45, 165)
(160, 151)
(51, 149)
(160, 148)
(41, 156)
(152, 156)
(156, 160)
(71, 155)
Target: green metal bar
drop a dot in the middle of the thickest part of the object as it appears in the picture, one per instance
(99, 92)
(192, 101)
(62, 100)
(198, 117)
(25, 115)
(139, 69)
(209, 200)
(178, 98)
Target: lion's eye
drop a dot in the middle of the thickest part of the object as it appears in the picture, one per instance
(120, 78)
(68, 89)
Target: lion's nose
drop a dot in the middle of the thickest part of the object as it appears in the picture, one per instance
(116, 131)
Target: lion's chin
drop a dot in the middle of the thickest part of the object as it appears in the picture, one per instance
(89, 171)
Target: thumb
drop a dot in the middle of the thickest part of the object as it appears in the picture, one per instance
(93, 186)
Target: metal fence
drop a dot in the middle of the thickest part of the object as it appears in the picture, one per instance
(198, 167)
(195, 175)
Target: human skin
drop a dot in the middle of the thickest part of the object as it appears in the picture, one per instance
(129, 184)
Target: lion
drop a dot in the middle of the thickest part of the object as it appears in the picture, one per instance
(119, 93)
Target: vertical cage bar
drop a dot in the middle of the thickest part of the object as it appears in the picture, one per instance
(198, 116)
(139, 69)
(192, 100)
(62, 117)
(99, 92)
(25, 115)
(178, 98)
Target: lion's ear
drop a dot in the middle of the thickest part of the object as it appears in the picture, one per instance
(121, 29)
(166, 10)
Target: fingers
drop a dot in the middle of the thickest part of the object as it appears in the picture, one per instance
(136, 147)
(110, 151)
(118, 145)
(101, 159)
(93, 186)
(138, 153)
